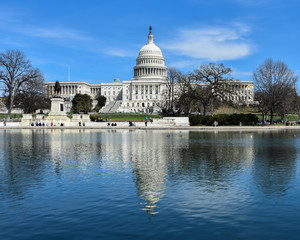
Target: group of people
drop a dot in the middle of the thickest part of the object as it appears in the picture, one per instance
(150, 120)
(131, 124)
(43, 124)
(81, 123)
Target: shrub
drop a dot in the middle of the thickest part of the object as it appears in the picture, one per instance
(223, 119)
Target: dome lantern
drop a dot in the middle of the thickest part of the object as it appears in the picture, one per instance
(150, 62)
(150, 36)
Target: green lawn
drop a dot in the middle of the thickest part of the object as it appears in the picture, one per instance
(12, 116)
(289, 117)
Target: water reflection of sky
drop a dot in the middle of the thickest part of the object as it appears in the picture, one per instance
(214, 177)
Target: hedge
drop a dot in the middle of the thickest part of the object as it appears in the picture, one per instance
(223, 119)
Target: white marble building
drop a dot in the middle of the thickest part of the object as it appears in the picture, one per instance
(146, 91)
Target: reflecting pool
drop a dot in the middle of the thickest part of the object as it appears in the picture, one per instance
(141, 184)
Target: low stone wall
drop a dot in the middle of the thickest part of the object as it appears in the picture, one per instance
(26, 120)
(84, 120)
(177, 121)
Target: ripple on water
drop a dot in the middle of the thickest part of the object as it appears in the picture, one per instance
(148, 184)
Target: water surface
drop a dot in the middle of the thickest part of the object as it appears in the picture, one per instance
(141, 184)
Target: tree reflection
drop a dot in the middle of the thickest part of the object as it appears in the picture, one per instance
(24, 155)
(275, 162)
(28, 156)
(213, 159)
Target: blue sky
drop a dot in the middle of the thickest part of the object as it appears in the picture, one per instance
(100, 40)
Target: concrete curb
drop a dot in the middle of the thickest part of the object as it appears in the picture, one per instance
(194, 128)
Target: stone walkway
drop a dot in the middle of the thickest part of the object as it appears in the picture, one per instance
(149, 127)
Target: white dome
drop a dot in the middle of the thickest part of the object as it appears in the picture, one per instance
(150, 63)
(150, 48)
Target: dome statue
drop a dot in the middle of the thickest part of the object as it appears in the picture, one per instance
(150, 48)
(150, 62)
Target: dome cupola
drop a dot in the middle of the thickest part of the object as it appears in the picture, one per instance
(150, 61)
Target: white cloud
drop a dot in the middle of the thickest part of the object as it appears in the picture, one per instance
(184, 63)
(55, 33)
(119, 52)
(211, 43)
(242, 73)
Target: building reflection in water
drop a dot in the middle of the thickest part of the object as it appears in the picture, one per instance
(156, 160)
(151, 151)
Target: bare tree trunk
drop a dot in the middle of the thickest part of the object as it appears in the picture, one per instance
(282, 116)
(204, 109)
(272, 113)
(11, 99)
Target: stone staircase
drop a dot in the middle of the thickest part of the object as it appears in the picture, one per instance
(111, 107)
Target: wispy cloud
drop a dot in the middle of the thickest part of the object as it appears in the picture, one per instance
(184, 63)
(211, 43)
(112, 51)
(13, 42)
(55, 33)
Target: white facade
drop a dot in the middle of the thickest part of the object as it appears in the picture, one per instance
(145, 91)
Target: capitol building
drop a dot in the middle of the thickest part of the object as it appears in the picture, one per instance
(145, 92)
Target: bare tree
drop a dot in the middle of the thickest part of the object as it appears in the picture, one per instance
(296, 103)
(15, 70)
(31, 96)
(173, 76)
(209, 83)
(185, 100)
(274, 85)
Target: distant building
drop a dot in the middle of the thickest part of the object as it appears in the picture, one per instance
(145, 91)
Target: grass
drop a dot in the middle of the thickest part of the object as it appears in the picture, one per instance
(12, 116)
(289, 117)
(124, 117)
(227, 109)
